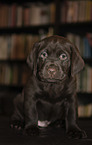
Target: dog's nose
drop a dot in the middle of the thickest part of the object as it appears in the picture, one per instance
(51, 71)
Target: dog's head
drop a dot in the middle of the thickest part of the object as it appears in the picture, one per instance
(54, 58)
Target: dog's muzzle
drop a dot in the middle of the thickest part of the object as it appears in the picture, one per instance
(52, 71)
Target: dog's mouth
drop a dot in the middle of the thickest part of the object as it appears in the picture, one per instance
(51, 73)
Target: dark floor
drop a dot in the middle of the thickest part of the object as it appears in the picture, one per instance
(52, 137)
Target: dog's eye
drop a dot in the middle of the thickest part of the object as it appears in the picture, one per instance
(44, 55)
(63, 56)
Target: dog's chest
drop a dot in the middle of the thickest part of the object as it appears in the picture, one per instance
(50, 105)
(49, 112)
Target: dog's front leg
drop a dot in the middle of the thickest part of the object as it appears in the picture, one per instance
(72, 128)
(31, 116)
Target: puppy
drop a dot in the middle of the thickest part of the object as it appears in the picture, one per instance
(49, 97)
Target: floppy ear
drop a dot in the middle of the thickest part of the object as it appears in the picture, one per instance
(77, 61)
(32, 57)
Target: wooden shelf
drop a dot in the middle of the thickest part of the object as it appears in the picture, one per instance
(24, 1)
(10, 88)
(84, 98)
(16, 61)
(27, 29)
(88, 60)
(78, 28)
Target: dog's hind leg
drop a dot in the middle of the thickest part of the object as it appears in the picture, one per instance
(17, 119)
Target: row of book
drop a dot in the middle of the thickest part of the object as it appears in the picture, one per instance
(27, 14)
(85, 110)
(76, 11)
(17, 46)
(84, 43)
(84, 81)
(13, 75)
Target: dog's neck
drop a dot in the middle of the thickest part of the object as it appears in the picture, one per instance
(52, 87)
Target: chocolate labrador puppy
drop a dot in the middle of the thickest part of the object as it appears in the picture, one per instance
(49, 97)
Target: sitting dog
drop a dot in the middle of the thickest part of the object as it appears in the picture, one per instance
(49, 97)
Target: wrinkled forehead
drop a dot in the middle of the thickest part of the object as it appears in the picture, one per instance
(55, 45)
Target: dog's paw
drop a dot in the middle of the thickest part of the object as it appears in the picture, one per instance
(76, 134)
(32, 130)
(17, 124)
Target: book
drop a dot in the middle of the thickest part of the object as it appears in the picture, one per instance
(35, 17)
(76, 11)
(81, 11)
(3, 47)
(45, 14)
(26, 15)
(13, 15)
(52, 11)
(70, 11)
(19, 16)
(85, 110)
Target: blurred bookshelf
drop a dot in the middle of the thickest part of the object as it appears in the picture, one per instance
(20, 27)
(76, 24)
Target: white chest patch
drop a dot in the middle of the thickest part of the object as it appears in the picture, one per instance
(43, 123)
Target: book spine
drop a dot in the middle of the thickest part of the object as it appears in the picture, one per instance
(19, 16)
(13, 15)
(85, 110)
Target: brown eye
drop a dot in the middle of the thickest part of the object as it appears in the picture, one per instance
(63, 56)
(44, 55)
